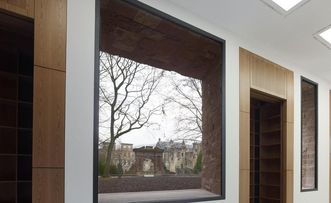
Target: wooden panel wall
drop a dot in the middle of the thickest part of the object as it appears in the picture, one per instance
(49, 101)
(267, 77)
(264, 76)
(21, 7)
(50, 32)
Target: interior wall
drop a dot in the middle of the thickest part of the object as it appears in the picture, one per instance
(79, 101)
(322, 194)
(79, 105)
(232, 137)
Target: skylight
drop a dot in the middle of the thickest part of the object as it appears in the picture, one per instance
(287, 4)
(326, 35)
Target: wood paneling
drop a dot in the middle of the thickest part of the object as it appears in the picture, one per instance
(244, 186)
(289, 186)
(48, 123)
(290, 96)
(268, 77)
(257, 73)
(48, 185)
(21, 7)
(244, 81)
(265, 76)
(50, 33)
(244, 141)
(289, 146)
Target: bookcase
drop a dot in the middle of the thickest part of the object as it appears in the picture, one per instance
(16, 102)
(265, 152)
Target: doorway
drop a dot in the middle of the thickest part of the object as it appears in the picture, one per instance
(266, 138)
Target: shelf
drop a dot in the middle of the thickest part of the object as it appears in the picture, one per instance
(8, 62)
(269, 185)
(8, 114)
(25, 65)
(270, 198)
(270, 131)
(8, 191)
(8, 86)
(24, 142)
(16, 115)
(270, 158)
(8, 167)
(270, 145)
(266, 170)
(24, 192)
(25, 89)
(25, 116)
(24, 169)
(8, 140)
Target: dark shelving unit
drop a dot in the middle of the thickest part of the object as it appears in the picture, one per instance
(16, 103)
(266, 152)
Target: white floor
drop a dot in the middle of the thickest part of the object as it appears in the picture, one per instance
(154, 196)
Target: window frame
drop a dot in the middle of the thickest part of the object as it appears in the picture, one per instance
(306, 80)
(192, 28)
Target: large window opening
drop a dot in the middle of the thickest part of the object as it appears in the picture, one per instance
(161, 109)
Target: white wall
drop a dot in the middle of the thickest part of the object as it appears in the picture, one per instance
(322, 195)
(79, 102)
(79, 114)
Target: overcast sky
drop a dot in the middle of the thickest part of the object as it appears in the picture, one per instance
(165, 129)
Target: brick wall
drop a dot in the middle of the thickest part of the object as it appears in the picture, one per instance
(211, 139)
(308, 136)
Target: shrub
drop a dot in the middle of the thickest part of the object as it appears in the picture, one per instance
(102, 165)
(198, 164)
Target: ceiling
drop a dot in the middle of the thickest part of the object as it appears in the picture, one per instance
(291, 36)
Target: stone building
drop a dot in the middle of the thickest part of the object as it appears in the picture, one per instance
(122, 153)
(179, 157)
(148, 161)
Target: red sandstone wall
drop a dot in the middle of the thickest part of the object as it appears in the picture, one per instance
(308, 136)
(211, 139)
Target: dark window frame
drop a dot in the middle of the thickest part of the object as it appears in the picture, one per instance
(185, 25)
(306, 80)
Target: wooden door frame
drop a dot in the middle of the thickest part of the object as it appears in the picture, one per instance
(275, 81)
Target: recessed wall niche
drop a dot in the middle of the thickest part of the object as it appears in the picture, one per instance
(16, 102)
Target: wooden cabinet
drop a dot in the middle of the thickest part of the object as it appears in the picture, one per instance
(21, 7)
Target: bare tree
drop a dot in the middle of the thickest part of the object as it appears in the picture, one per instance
(188, 96)
(126, 88)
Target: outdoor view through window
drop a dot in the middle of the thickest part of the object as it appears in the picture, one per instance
(150, 126)
(160, 109)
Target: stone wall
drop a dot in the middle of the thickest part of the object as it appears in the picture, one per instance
(148, 161)
(211, 138)
(308, 136)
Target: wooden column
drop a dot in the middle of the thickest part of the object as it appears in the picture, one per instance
(49, 101)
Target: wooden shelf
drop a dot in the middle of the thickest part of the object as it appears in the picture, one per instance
(16, 103)
(265, 176)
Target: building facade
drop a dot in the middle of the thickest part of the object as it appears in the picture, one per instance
(179, 157)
